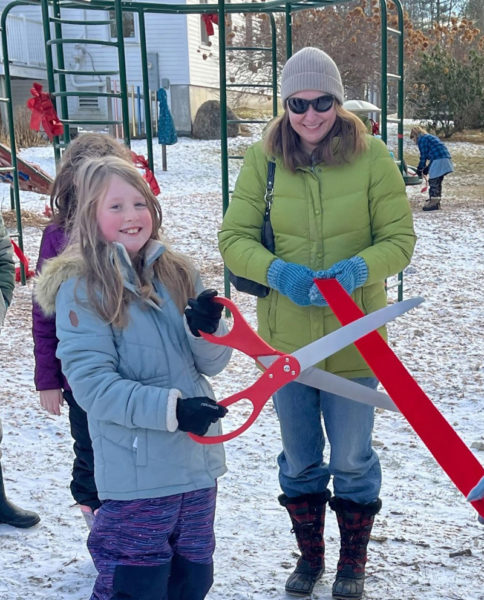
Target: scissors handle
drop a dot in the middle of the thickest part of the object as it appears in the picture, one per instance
(241, 336)
(283, 370)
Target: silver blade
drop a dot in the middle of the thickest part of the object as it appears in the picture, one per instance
(314, 352)
(328, 382)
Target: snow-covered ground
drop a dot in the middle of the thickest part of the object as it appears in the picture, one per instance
(426, 543)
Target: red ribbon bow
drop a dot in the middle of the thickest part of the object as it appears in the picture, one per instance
(209, 20)
(140, 161)
(25, 262)
(43, 113)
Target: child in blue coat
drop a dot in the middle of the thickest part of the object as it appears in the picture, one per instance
(131, 350)
(435, 161)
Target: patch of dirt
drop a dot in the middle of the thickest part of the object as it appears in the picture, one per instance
(475, 136)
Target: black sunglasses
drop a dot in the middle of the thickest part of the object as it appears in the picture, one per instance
(320, 104)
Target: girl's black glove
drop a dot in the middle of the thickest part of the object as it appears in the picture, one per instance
(203, 314)
(196, 414)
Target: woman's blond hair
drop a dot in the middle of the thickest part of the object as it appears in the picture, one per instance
(416, 131)
(346, 140)
(101, 266)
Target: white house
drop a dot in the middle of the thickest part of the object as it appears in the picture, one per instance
(182, 58)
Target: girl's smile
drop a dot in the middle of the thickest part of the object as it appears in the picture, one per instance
(123, 216)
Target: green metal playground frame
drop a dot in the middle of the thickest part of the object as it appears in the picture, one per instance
(54, 17)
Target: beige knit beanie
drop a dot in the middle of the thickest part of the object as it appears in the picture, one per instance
(311, 69)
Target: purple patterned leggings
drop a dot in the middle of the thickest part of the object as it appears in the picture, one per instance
(149, 533)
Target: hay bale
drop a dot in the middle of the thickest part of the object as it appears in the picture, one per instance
(206, 125)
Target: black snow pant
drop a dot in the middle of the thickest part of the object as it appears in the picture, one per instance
(184, 580)
(435, 187)
(83, 486)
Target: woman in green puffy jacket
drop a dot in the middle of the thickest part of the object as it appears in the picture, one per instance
(339, 211)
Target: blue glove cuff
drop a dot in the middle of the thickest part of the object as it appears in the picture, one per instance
(360, 270)
(274, 272)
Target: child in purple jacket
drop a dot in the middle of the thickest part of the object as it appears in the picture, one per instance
(49, 380)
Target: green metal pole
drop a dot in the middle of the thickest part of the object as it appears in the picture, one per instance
(274, 65)
(123, 86)
(146, 90)
(62, 78)
(49, 65)
(288, 31)
(223, 121)
(384, 69)
(11, 133)
(401, 86)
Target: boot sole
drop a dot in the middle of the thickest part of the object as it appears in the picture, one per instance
(22, 525)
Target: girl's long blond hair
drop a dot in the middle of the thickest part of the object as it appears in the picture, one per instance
(416, 132)
(101, 266)
(345, 140)
(63, 197)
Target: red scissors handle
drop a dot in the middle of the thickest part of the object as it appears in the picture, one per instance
(285, 369)
(241, 336)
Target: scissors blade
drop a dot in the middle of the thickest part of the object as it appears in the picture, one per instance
(328, 382)
(309, 355)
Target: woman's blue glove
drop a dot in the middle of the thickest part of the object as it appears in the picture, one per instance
(477, 493)
(351, 273)
(292, 280)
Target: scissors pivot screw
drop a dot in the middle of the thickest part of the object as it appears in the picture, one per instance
(271, 375)
(286, 368)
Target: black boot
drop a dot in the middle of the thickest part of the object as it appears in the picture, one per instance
(355, 522)
(13, 515)
(307, 516)
(432, 204)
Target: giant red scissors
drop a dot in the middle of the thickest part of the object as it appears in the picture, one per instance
(281, 368)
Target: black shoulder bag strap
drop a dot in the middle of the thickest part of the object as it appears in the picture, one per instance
(267, 234)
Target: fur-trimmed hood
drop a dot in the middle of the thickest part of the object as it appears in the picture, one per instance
(63, 267)
(54, 272)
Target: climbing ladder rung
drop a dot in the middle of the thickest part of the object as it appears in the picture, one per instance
(254, 48)
(394, 76)
(4, 100)
(246, 121)
(395, 31)
(91, 121)
(393, 120)
(80, 22)
(89, 73)
(57, 41)
(88, 94)
(248, 85)
(236, 157)
(6, 169)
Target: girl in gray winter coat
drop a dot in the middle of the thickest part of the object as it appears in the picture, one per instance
(134, 358)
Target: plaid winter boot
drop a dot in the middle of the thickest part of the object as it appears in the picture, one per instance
(355, 522)
(307, 514)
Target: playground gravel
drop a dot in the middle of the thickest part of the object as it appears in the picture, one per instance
(426, 543)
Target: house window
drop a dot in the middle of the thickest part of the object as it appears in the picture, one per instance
(128, 25)
(203, 29)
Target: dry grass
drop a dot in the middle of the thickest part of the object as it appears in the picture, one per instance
(24, 136)
(29, 219)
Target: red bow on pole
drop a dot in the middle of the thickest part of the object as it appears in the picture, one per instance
(141, 162)
(210, 20)
(24, 260)
(43, 113)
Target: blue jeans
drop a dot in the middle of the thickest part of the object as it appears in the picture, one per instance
(353, 463)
